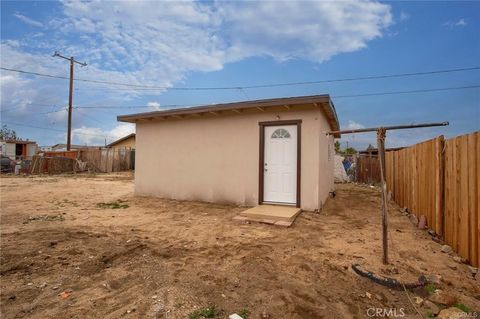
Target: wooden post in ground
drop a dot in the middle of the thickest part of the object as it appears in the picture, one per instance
(381, 158)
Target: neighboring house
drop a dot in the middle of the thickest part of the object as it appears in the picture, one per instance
(18, 149)
(63, 147)
(265, 151)
(126, 142)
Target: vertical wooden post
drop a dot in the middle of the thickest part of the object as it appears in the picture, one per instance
(381, 158)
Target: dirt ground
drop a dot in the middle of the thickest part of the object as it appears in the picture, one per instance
(65, 256)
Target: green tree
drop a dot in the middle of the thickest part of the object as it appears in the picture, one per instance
(7, 134)
(350, 151)
(337, 147)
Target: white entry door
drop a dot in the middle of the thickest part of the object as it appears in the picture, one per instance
(280, 164)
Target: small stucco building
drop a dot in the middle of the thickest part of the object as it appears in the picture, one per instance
(126, 142)
(265, 151)
(18, 149)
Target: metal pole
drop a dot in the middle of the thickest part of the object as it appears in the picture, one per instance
(70, 101)
(381, 158)
(395, 127)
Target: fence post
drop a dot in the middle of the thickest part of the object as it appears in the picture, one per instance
(440, 211)
(381, 159)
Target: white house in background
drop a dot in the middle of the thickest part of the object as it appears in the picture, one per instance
(18, 149)
(63, 147)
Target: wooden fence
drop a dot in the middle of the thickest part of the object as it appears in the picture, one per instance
(108, 160)
(440, 180)
(462, 195)
(368, 169)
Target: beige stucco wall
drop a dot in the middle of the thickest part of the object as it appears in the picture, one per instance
(216, 158)
(326, 163)
(129, 143)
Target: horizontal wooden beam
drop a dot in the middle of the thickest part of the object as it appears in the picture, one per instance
(395, 127)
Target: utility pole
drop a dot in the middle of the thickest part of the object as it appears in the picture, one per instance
(381, 134)
(70, 95)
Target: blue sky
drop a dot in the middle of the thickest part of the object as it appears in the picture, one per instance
(199, 44)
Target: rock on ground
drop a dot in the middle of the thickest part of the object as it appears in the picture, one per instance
(433, 308)
(422, 222)
(450, 313)
(442, 298)
(446, 249)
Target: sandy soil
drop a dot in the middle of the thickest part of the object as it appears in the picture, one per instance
(164, 258)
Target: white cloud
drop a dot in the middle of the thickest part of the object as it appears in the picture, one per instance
(404, 16)
(160, 43)
(96, 136)
(452, 24)
(461, 23)
(154, 106)
(28, 20)
(352, 125)
(313, 30)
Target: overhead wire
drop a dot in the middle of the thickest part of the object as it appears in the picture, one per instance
(237, 87)
(57, 130)
(333, 96)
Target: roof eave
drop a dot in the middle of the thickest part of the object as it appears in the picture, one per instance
(318, 100)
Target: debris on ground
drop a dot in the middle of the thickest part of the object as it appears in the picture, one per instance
(133, 309)
(44, 218)
(422, 222)
(473, 270)
(113, 205)
(64, 294)
(388, 282)
(418, 300)
(459, 259)
(446, 249)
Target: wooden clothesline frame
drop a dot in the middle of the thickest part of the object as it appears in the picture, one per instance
(381, 135)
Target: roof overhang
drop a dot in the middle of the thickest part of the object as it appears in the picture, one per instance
(18, 142)
(322, 102)
(121, 139)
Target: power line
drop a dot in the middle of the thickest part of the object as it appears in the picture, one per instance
(51, 112)
(52, 129)
(138, 86)
(408, 92)
(333, 96)
(92, 118)
(134, 106)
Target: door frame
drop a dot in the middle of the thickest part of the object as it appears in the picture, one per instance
(261, 165)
